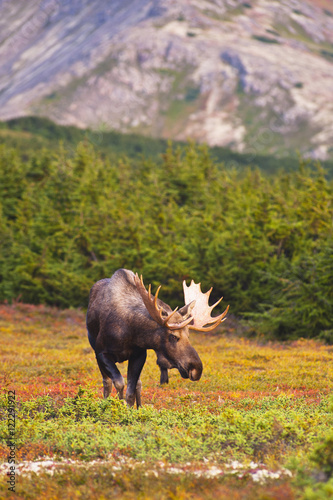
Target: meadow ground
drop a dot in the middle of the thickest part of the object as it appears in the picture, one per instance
(258, 425)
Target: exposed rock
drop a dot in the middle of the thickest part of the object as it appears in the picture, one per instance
(255, 76)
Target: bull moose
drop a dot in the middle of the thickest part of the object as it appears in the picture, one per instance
(124, 320)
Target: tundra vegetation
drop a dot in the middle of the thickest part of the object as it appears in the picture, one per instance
(258, 423)
(260, 409)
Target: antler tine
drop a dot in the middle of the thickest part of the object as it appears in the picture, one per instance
(222, 316)
(211, 327)
(178, 326)
(169, 316)
(156, 295)
(156, 308)
(216, 303)
(208, 328)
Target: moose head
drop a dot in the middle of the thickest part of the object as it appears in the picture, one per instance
(177, 351)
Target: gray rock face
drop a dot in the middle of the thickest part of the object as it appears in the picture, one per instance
(255, 76)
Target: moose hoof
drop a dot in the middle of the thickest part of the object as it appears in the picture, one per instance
(107, 388)
(130, 399)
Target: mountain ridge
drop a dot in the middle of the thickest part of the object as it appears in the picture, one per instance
(256, 76)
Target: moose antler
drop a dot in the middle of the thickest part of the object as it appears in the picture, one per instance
(201, 310)
(154, 310)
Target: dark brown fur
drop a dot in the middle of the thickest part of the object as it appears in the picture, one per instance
(120, 328)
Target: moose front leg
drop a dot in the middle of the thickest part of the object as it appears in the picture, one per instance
(110, 373)
(138, 393)
(135, 365)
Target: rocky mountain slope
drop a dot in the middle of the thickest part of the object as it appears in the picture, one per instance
(256, 76)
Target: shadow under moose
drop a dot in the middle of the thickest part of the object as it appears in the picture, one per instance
(124, 320)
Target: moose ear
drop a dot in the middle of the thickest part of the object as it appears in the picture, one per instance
(186, 310)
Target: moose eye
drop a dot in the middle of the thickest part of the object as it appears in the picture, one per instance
(173, 338)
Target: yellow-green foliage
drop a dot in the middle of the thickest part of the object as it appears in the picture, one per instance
(266, 403)
(263, 243)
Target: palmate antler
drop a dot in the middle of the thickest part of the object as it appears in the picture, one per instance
(154, 310)
(201, 310)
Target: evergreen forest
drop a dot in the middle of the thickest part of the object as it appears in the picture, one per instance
(262, 238)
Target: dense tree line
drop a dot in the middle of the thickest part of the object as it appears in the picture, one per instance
(31, 133)
(265, 244)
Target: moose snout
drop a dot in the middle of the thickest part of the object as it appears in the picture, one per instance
(194, 367)
(192, 371)
(195, 374)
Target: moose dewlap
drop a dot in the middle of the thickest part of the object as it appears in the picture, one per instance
(124, 320)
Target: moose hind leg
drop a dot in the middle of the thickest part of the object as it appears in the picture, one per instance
(138, 393)
(110, 373)
(107, 386)
(135, 365)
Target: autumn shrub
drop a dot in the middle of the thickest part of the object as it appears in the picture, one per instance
(90, 428)
(323, 456)
(319, 482)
